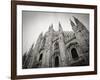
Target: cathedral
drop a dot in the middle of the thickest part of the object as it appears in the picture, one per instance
(59, 48)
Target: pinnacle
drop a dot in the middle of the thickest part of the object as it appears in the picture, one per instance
(72, 23)
(60, 27)
(76, 20)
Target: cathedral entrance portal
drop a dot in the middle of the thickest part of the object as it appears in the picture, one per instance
(56, 61)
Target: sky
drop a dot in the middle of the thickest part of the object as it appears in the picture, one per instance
(33, 23)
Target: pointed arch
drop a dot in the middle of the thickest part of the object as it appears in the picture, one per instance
(40, 58)
(74, 54)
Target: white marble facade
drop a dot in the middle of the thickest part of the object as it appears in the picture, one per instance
(60, 48)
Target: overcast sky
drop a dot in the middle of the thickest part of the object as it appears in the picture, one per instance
(36, 22)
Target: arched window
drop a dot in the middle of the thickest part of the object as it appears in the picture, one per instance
(56, 45)
(40, 58)
(56, 61)
(74, 54)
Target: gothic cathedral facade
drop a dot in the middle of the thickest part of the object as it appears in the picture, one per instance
(59, 48)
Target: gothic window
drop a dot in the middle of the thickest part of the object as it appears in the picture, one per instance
(74, 54)
(56, 45)
(40, 58)
(56, 61)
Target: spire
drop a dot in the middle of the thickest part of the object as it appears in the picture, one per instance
(79, 24)
(74, 27)
(60, 27)
(76, 20)
(72, 24)
(51, 27)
